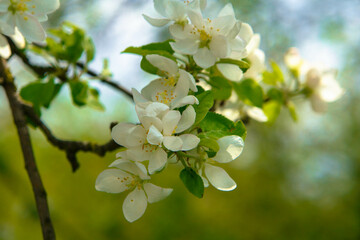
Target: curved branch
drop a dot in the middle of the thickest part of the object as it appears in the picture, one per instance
(70, 147)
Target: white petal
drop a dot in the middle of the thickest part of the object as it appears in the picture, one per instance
(47, 6)
(163, 63)
(219, 178)
(158, 161)
(204, 58)
(196, 18)
(113, 181)
(138, 98)
(130, 167)
(246, 32)
(230, 71)
(219, 46)
(30, 28)
(154, 136)
(184, 101)
(185, 46)
(254, 43)
(175, 10)
(134, 205)
(257, 114)
(121, 132)
(148, 121)
(7, 23)
(187, 119)
(136, 136)
(230, 148)
(159, 6)
(190, 79)
(190, 141)
(178, 31)
(170, 121)
(330, 89)
(224, 24)
(227, 10)
(5, 50)
(18, 39)
(155, 193)
(173, 143)
(156, 22)
(4, 5)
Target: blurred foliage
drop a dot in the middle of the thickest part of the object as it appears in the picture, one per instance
(295, 180)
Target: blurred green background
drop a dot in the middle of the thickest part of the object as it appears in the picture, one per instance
(295, 180)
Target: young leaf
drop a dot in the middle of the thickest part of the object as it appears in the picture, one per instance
(148, 67)
(250, 92)
(192, 181)
(209, 143)
(221, 88)
(79, 92)
(162, 48)
(39, 94)
(272, 110)
(206, 101)
(274, 77)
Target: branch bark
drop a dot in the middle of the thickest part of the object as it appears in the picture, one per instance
(28, 154)
(70, 147)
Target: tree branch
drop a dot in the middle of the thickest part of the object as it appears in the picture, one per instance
(28, 154)
(70, 147)
(61, 73)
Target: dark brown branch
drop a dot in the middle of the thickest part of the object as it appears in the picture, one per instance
(42, 71)
(70, 147)
(28, 154)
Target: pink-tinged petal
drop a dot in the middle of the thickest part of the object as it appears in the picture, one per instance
(219, 178)
(134, 205)
(113, 181)
(155, 193)
(204, 58)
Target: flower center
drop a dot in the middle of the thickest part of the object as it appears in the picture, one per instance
(147, 147)
(165, 97)
(21, 6)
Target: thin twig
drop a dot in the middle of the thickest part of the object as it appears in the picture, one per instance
(28, 154)
(70, 147)
(42, 71)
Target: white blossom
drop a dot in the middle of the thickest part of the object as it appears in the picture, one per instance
(171, 89)
(130, 176)
(230, 148)
(26, 15)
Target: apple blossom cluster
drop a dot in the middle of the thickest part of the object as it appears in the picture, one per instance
(210, 79)
(21, 19)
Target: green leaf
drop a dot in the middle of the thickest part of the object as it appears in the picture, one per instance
(209, 142)
(291, 106)
(241, 64)
(93, 100)
(39, 94)
(79, 92)
(276, 94)
(206, 101)
(274, 77)
(250, 92)
(215, 126)
(192, 181)
(272, 110)
(89, 49)
(221, 88)
(148, 67)
(161, 48)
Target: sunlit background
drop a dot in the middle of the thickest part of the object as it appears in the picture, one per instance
(295, 180)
